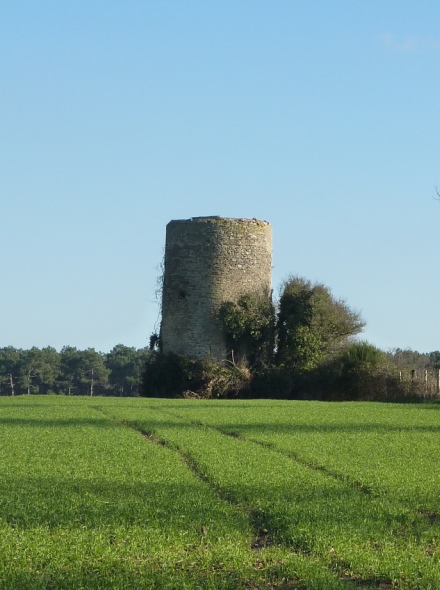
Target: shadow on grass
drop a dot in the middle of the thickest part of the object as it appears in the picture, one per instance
(58, 422)
(107, 421)
(248, 429)
(50, 502)
(119, 574)
(172, 508)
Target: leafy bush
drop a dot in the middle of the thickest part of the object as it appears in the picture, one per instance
(312, 325)
(249, 327)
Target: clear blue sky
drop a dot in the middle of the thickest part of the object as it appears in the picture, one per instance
(116, 117)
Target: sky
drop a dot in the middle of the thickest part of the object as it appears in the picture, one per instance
(116, 117)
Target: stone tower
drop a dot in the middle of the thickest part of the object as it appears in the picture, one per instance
(210, 260)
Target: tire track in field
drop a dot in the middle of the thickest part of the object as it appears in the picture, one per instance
(356, 485)
(256, 521)
(429, 517)
(340, 477)
(262, 539)
(157, 440)
(262, 536)
(342, 569)
(347, 577)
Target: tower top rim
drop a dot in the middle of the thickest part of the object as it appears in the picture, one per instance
(218, 218)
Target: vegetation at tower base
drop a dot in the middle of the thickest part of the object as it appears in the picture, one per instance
(172, 375)
(249, 328)
(305, 350)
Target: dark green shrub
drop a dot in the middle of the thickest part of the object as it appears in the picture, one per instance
(312, 325)
(272, 383)
(249, 328)
(164, 375)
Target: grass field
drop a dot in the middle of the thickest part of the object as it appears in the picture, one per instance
(140, 493)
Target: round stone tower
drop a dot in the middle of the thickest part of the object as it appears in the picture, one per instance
(210, 260)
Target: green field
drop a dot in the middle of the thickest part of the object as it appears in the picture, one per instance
(142, 493)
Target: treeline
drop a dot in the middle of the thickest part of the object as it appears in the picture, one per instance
(408, 360)
(72, 371)
(303, 347)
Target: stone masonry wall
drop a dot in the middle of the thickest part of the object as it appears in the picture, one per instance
(209, 260)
